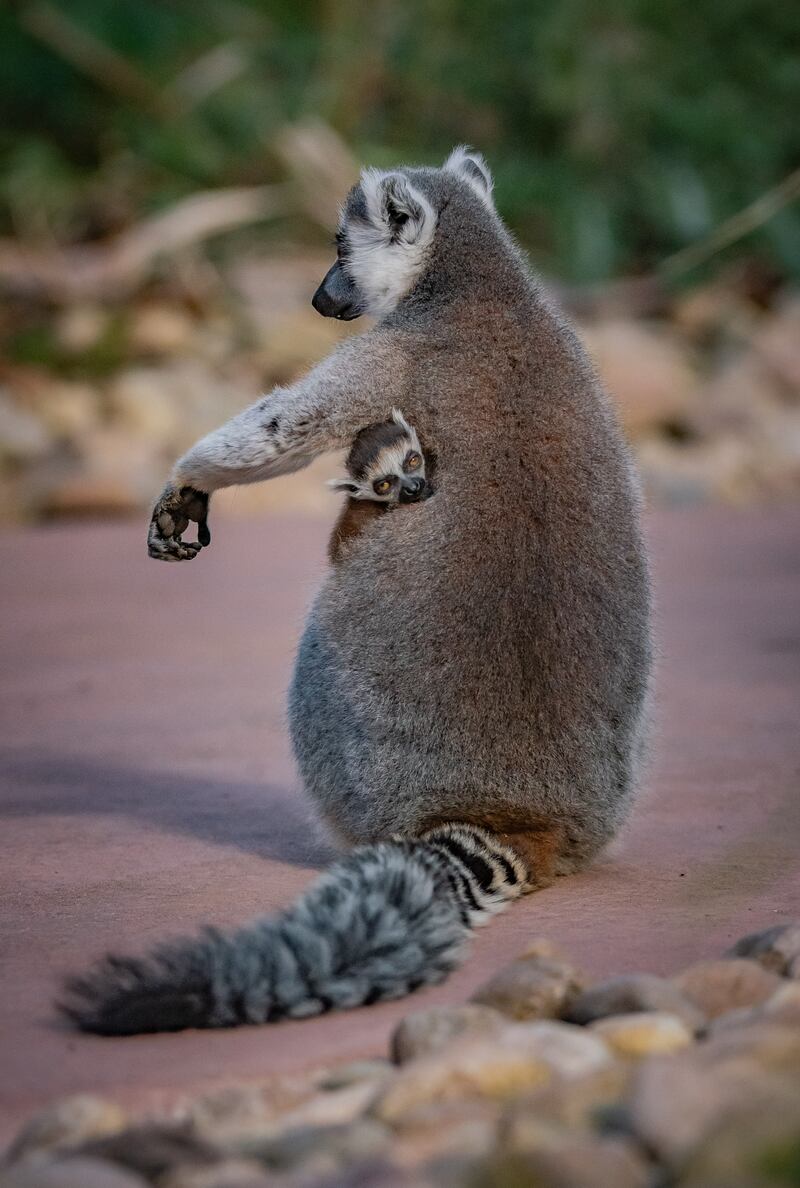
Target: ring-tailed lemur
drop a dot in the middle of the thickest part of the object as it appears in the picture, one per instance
(386, 469)
(480, 727)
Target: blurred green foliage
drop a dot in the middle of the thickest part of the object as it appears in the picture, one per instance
(618, 132)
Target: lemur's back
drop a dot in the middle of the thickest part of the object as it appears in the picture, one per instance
(508, 683)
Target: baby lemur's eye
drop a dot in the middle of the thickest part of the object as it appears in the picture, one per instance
(413, 461)
(382, 486)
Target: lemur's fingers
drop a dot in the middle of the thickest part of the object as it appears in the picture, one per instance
(170, 519)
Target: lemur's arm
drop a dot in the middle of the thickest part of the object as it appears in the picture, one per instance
(357, 384)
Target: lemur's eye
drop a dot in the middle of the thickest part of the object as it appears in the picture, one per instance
(382, 486)
(413, 462)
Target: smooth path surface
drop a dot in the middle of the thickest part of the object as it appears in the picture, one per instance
(147, 784)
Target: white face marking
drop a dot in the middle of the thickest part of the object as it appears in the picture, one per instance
(387, 253)
(389, 462)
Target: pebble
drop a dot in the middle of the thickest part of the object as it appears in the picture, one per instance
(425, 1032)
(73, 1172)
(630, 993)
(230, 1173)
(775, 948)
(67, 1124)
(564, 1160)
(645, 1033)
(519, 1058)
(719, 986)
(535, 986)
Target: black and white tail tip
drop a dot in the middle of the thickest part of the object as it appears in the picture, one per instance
(384, 921)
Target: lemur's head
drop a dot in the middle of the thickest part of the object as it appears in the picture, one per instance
(386, 464)
(387, 229)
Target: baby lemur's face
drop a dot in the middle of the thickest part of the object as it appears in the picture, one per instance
(386, 465)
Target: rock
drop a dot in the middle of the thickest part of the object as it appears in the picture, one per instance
(783, 1008)
(425, 1032)
(675, 1102)
(356, 1073)
(322, 1149)
(646, 371)
(463, 1128)
(141, 402)
(563, 1160)
(720, 468)
(68, 1123)
(232, 1116)
(719, 986)
(777, 343)
(69, 409)
(645, 1033)
(23, 438)
(756, 1147)
(78, 328)
(769, 1043)
(630, 993)
(71, 1172)
(774, 948)
(160, 329)
(230, 1173)
(116, 474)
(154, 1150)
(579, 1103)
(519, 1058)
(538, 985)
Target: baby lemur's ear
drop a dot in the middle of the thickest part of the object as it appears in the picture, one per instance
(343, 485)
(400, 420)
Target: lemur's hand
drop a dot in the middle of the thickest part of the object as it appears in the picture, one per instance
(171, 516)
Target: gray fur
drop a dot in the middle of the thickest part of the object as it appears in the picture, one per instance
(503, 680)
(380, 923)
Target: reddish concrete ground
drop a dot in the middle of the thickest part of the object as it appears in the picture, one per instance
(147, 783)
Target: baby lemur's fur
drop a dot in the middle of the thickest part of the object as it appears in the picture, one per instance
(468, 701)
(386, 469)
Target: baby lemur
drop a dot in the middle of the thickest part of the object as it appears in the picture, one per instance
(386, 467)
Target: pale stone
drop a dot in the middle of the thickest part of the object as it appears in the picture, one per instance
(72, 1172)
(723, 985)
(68, 409)
(80, 327)
(463, 1127)
(425, 1032)
(560, 1159)
(755, 1146)
(774, 948)
(778, 344)
(630, 993)
(646, 371)
(158, 329)
(578, 1103)
(535, 986)
(141, 402)
(116, 474)
(355, 1073)
(321, 1149)
(645, 1033)
(519, 1058)
(229, 1173)
(67, 1123)
(23, 438)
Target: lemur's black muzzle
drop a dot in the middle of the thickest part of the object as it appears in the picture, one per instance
(412, 490)
(337, 296)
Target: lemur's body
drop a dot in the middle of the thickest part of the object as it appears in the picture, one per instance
(482, 658)
(386, 469)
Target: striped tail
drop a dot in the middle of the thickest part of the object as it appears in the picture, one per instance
(385, 920)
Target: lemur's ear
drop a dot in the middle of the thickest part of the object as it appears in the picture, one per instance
(343, 485)
(400, 420)
(472, 167)
(396, 207)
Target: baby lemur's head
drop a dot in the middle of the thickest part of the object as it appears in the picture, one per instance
(386, 464)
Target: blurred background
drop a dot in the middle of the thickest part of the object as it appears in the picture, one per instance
(170, 172)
